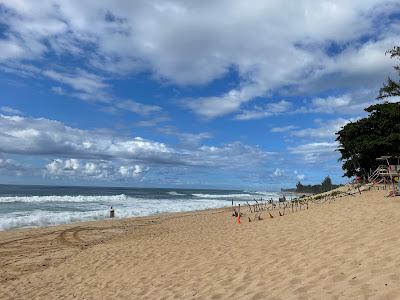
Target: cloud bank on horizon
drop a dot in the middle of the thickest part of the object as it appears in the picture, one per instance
(186, 93)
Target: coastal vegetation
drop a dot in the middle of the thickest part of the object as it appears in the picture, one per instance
(378, 134)
(325, 186)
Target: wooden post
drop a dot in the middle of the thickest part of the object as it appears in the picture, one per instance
(249, 206)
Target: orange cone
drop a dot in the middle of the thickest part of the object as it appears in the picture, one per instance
(238, 219)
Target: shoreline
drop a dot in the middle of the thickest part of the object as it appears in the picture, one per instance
(88, 222)
(115, 219)
(41, 209)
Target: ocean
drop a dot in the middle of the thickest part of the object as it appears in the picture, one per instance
(36, 206)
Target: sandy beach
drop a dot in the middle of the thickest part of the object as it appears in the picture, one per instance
(345, 249)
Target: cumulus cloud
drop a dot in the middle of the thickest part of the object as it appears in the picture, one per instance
(132, 171)
(95, 169)
(44, 137)
(194, 43)
(23, 135)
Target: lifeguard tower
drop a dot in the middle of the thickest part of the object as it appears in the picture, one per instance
(386, 173)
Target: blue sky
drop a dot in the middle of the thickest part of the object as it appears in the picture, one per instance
(186, 93)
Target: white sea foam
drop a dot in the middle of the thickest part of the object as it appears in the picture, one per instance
(173, 193)
(223, 196)
(40, 218)
(268, 195)
(94, 208)
(79, 198)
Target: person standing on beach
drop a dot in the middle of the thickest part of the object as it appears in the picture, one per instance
(112, 212)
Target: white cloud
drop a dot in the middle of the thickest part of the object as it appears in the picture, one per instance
(58, 90)
(187, 140)
(10, 50)
(72, 164)
(192, 43)
(283, 128)
(132, 171)
(315, 152)
(22, 135)
(10, 110)
(278, 172)
(270, 109)
(97, 169)
(87, 86)
(212, 107)
(331, 104)
(345, 104)
(325, 129)
(300, 176)
(10, 166)
(193, 139)
(154, 121)
(44, 137)
(139, 108)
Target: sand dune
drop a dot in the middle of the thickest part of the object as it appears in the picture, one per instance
(346, 249)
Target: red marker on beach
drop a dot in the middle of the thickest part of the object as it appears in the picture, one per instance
(238, 219)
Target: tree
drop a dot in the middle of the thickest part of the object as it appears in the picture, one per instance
(299, 187)
(361, 142)
(326, 185)
(391, 88)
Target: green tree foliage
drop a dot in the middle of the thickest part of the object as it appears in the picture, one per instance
(391, 88)
(326, 185)
(361, 142)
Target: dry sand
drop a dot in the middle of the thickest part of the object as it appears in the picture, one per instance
(347, 249)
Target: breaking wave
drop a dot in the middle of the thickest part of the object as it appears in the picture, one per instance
(38, 211)
(79, 198)
(216, 196)
(173, 193)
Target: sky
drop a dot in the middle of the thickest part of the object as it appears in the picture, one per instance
(173, 93)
